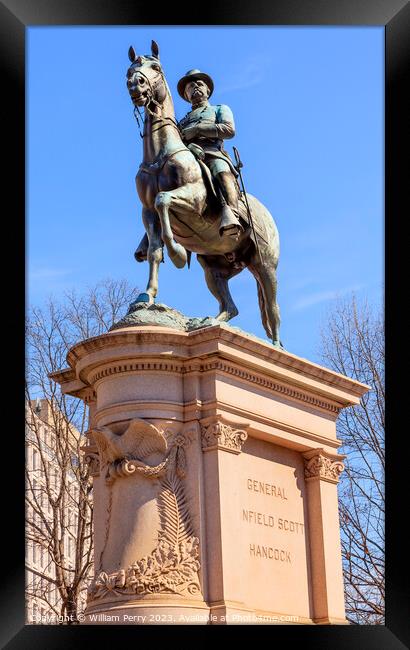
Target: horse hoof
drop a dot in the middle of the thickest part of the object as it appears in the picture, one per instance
(226, 315)
(145, 298)
(277, 344)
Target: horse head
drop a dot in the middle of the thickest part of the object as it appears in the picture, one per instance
(145, 78)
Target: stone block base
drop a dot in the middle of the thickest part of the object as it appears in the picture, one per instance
(215, 468)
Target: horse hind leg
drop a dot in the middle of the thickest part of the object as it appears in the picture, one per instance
(216, 278)
(265, 276)
(264, 315)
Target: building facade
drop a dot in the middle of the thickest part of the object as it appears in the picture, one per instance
(53, 554)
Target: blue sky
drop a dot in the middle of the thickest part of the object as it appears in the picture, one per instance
(308, 106)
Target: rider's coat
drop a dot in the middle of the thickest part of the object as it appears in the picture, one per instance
(215, 124)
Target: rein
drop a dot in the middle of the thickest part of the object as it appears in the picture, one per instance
(154, 168)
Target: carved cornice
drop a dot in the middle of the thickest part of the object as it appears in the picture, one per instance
(222, 436)
(89, 395)
(260, 380)
(183, 368)
(322, 466)
(150, 366)
(222, 332)
(158, 343)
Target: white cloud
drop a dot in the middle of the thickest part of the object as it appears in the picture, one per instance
(249, 75)
(41, 274)
(299, 283)
(323, 296)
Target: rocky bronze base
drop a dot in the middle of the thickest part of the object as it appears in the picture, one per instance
(140, 313)
(161, 315)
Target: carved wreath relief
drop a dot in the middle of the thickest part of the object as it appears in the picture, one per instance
(172, 567)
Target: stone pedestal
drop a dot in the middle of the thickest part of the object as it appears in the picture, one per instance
(215, 466)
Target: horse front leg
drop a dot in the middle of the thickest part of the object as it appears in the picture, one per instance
(185, 199)
(154, 255)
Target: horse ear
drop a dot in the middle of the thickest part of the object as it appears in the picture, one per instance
(131, 54)
(155, 49)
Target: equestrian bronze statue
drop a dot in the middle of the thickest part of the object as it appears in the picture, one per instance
(191, 200)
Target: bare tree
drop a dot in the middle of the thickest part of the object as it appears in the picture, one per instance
(58, 487)
(353, 344)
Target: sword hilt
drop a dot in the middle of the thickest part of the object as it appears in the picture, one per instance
(239, 163)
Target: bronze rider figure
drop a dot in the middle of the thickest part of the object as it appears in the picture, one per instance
(204, 130)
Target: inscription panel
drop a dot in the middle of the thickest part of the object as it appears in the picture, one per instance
(272, 519)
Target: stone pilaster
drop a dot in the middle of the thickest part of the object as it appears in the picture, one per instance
(322, 472)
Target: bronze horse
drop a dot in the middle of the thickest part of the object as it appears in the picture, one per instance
(180, 212)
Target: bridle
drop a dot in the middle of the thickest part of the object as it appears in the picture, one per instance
(152, 86)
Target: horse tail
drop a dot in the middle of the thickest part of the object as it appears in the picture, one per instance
(262, 307)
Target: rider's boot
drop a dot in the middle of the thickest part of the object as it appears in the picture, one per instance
(230, 224)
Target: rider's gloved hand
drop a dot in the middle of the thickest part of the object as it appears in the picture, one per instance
(190, 133)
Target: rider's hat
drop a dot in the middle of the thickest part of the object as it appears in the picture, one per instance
(194, 74)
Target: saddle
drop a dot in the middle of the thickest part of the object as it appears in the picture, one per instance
(211, 191)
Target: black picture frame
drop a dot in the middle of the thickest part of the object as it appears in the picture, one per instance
(16, 15)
